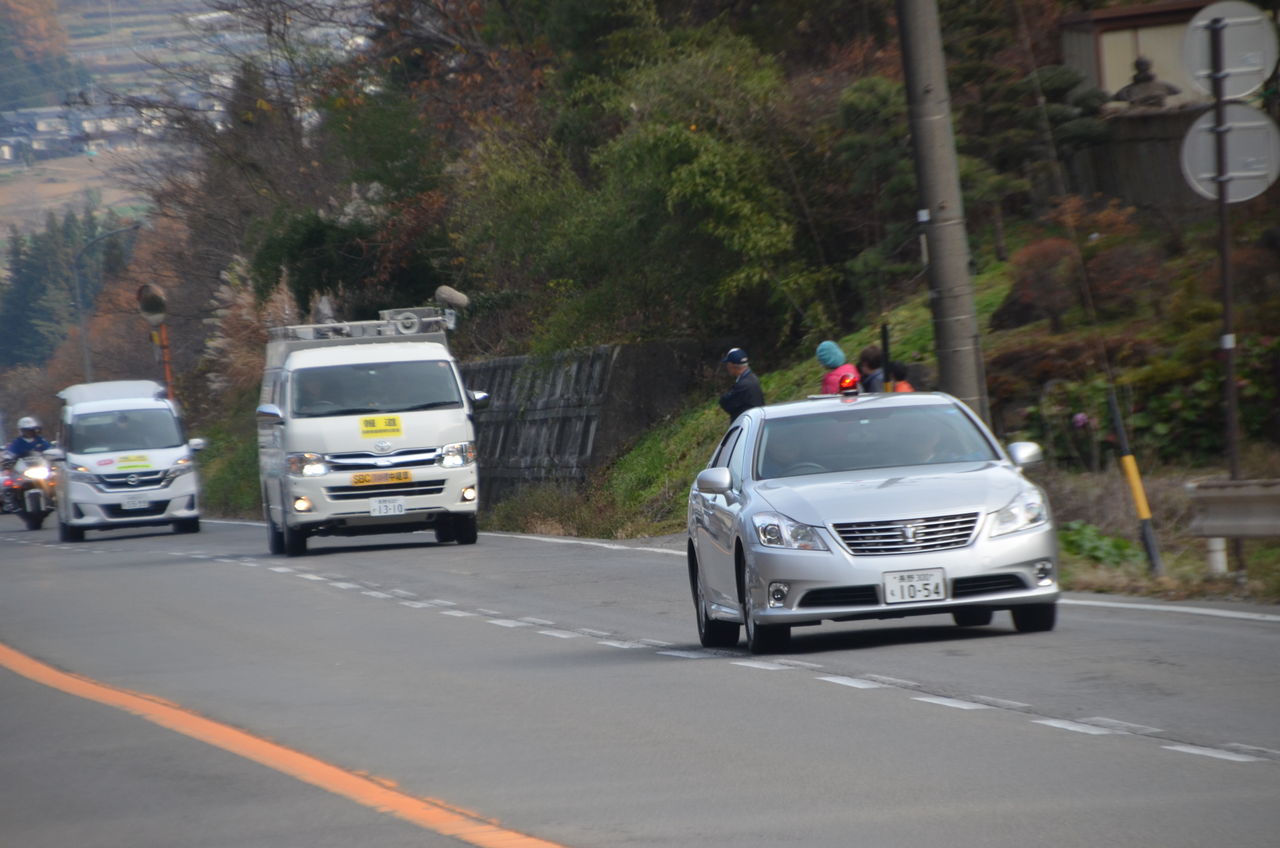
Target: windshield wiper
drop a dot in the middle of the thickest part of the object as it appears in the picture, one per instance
(431, 404)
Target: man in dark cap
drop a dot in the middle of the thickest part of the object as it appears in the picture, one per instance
(745, 393)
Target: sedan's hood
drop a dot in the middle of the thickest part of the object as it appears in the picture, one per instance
(893, 493)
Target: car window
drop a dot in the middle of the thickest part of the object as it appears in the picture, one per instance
(721, 456)
(129, 429)
(381, 387)
(737, 462)
(858, 439)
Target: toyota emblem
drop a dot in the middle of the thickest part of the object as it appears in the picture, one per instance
(382, 446)
(909, 533)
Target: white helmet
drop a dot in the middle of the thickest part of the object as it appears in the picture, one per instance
(28, 423)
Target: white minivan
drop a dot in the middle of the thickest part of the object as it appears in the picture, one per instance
(365, 427)
(123, 460)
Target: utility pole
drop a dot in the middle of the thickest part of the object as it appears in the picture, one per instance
(955, 319)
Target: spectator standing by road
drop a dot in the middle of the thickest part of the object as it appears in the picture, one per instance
(746, 392)
(871, 366)
(832, 358)
(898, 374)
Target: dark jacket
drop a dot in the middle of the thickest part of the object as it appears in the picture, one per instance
(745, 394)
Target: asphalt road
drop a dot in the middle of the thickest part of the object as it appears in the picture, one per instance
(389, 691)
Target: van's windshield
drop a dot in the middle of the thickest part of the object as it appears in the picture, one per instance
(124, 430)
(373, 387)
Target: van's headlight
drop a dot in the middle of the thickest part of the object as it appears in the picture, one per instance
(1026, 510)
(458, 454)
(778, 531)
(182, 466)
(80, 474)
(306, 464)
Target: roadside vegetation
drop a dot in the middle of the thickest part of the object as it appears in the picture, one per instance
(611, 171)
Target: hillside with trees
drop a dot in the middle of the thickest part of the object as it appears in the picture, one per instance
(594, 171)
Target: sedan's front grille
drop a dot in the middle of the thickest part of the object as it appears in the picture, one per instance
(383, 490)
(909, 536)
(987, 584)
(842, 596)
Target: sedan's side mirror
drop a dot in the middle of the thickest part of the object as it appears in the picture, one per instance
(1025, 453)
(713, 481)
(269, 413)
(479, 400)
(197, 444)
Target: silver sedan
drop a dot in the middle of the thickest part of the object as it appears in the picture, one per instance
(839, 508)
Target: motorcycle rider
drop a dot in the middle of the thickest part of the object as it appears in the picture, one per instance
(30, 440)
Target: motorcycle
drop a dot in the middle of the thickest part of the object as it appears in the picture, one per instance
(29, 489)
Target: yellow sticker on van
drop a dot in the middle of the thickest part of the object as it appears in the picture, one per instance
(133, 462)
(380, 427)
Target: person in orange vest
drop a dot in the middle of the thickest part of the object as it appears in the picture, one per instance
(898, 374)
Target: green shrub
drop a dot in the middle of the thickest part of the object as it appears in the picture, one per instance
(1086, 540)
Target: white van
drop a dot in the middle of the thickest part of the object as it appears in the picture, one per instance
(123, 460)
(365, 427)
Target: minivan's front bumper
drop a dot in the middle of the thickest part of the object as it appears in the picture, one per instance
(329, 504)
(85, 506)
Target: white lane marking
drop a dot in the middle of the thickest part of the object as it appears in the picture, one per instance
(1217, 613)
(540, 622)
(560, 634)
(654, 643)
(1000, 703)
(690, 655)
(1212, 752)
(222, 559)
(401, 593)
(1244, 749)
(892, 681)
(282, 569)
(343, 585)
(852, 682)
(762, 665)
(382, 596)
(508, 622)
(311, 577)
(952, 702)
(558, 540)
(483, 611)
(437, 602)
(800, 664)
(1074, 726)
(595, 634)
(1121, 726)
(415, 604)
(249, 563)
(624, 644)
(459, 613)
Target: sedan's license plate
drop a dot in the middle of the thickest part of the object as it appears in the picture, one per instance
(135, 502)
(903, 587)
(372, 478)
(386, 506)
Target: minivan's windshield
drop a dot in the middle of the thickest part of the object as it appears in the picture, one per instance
(374, 387)
(124, 430)
(857, 439)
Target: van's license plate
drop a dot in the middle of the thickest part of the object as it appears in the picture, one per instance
(135, 502)
(372, 478)
(904, 587)
(386, 506)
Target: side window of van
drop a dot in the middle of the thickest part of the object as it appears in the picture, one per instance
(270, 392)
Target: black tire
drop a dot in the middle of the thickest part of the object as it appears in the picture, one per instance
(711, 632)
(275, 539)
(445, 531)
(67, 533)
(763, 638)
(34, 520)
(465, 529)
(972, 617)
(295, 542)
(186, 525)
(1034, 618)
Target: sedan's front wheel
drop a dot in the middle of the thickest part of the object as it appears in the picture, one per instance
(1034, 618)
(711, 632)
(763, 638)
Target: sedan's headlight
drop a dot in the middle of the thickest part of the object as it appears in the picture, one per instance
(1026, 510)
(458, 454)
(778, 531)
(306, 464)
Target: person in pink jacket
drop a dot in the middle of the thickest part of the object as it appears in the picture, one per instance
(832, 358)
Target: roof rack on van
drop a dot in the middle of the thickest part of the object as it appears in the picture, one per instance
(392, 322)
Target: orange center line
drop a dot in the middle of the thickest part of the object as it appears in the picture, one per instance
(431, 814)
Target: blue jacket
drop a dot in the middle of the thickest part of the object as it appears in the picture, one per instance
(21, 446)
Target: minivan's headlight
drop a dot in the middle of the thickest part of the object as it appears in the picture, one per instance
(182, 466)
(80, 474)
(306, 464)
(1026, 510)
(778, 531)
(458, 454)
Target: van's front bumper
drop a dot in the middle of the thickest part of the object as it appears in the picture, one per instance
(333, 504)
(85, 506)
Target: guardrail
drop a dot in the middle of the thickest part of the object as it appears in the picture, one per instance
(1235, 509)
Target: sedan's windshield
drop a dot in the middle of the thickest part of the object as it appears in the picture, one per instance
(374, 387)
(125, 430)
(857, 439)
